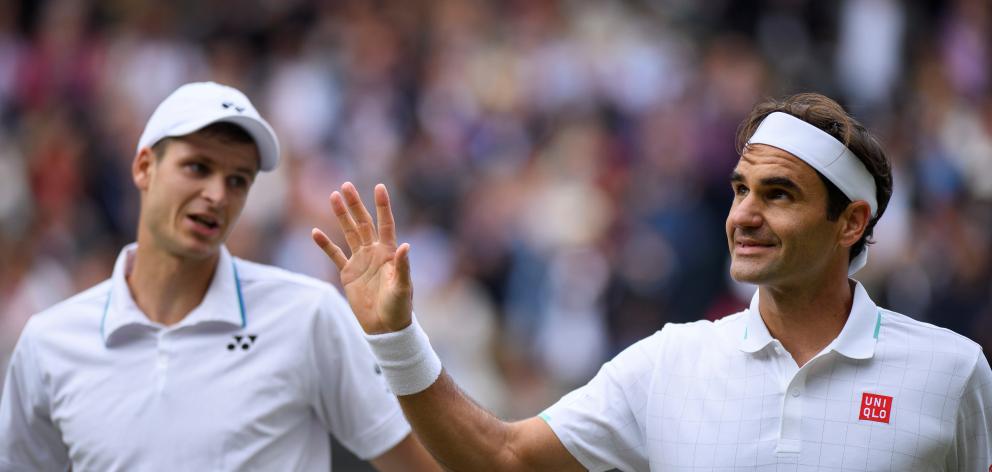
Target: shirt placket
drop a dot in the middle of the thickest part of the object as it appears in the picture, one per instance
(793, 402)
(162, 358)
(793, 382)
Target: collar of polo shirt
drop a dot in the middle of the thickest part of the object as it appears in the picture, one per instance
(856, 340)
(223, 302)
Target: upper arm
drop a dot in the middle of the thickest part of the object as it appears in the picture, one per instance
(535, 446)
(972, 448)
(28, 438)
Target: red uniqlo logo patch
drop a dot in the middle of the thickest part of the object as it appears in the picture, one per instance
(876, 407)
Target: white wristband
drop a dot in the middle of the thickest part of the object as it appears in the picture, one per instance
(407, 360)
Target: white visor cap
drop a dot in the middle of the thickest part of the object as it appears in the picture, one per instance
(197, 105)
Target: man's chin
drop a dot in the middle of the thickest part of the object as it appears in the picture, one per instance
(196, 249)
(749, 273)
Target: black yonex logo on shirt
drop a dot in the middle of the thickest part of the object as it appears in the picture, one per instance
(227, 105)
(242, 341)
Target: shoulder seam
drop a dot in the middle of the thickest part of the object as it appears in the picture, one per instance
(907, 320)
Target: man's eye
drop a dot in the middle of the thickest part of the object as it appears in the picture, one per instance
(777, 195)
(740, 190)
(237, 181)
(196, 168)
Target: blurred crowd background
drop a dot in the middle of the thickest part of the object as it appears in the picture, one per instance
(561, 168)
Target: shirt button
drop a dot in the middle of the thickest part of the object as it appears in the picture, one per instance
(795, 392)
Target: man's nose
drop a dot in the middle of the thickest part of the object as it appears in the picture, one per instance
(746, 213)
(215, 190)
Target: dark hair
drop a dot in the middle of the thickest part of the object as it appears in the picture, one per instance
(224, 131)
(830, 117)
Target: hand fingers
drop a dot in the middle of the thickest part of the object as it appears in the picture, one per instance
(348, 226)
(332, 250)
(384, 216)
(366, 229)
(402, 261)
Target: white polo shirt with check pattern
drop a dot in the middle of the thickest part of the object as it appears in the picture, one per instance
(888, 394)
(254, 378)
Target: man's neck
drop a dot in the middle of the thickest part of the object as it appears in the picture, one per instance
(805, 319)
(166, 287)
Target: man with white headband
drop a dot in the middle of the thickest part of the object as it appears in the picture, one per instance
(812, 376)
(191, 359)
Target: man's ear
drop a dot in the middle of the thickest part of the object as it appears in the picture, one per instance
(854, 222)
(141, 168)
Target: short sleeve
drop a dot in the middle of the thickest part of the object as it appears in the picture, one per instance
(972, 448)
(351, 397)
(28, 439)
(602, 423)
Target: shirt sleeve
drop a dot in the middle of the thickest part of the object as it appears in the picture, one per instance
(28, 439)
(972, 448)
(351, 396)
(602, 423)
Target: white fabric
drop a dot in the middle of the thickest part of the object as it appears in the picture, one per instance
(724, 395)
(407, 359)
(858, 262)
(197, 105)
(141, 396)
(825, 154)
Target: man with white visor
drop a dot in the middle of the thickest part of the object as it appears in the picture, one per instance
(812, 376)
(191, 359)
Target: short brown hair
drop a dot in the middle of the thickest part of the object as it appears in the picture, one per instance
(224, 131)
(829, 116)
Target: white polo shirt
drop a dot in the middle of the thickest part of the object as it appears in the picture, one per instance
(254, 378)
(889, 393)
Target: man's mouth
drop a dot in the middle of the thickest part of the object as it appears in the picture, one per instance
(207, 222)
(753, 244)
(749, 246)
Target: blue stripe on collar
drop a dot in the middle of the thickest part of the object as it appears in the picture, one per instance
(241, 298)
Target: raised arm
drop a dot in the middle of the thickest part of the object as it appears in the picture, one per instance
(376, 280)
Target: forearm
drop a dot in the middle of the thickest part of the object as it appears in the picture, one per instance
(460, 434)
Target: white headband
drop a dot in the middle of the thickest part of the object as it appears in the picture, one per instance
(825, 154)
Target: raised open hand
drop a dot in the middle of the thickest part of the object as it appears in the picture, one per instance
(376, 278)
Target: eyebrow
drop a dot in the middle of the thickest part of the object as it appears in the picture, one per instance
(245, 170)
(776, 181)
(213, 162)
(783, 182)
